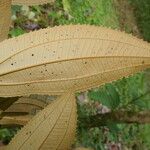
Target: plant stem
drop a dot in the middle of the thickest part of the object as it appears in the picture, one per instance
(142, 117)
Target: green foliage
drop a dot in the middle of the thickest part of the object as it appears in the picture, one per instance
(16, 32)
(133, 136)
(98, 12)
(133, 92)
(128, 94)
(6, 134)
(107, 95)
(144, 134)
(142, 12)
(91, 138)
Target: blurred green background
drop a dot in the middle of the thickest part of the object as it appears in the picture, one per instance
(132, 16)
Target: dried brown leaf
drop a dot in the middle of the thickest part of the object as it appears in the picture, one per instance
(5, 18)
(26, 104)
(53, 128)
(7, 102)
(76, 57)
(15, 120)
(17, 113)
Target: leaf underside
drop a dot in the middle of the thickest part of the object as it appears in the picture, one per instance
(77, 57)
(13, 121)
(26, 104)
(53, 128)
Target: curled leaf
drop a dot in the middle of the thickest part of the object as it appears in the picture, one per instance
(26, 104)
(21, 111)
(15, 120)
(7, 102)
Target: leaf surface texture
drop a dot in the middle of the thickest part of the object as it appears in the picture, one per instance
(77, 57)
(52, 128)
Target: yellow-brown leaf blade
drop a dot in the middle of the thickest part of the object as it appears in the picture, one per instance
(26, 104)
(15, 120)
(21, 111)
(7, 102)
(5, 18)
(77, 57)
(53, 128)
